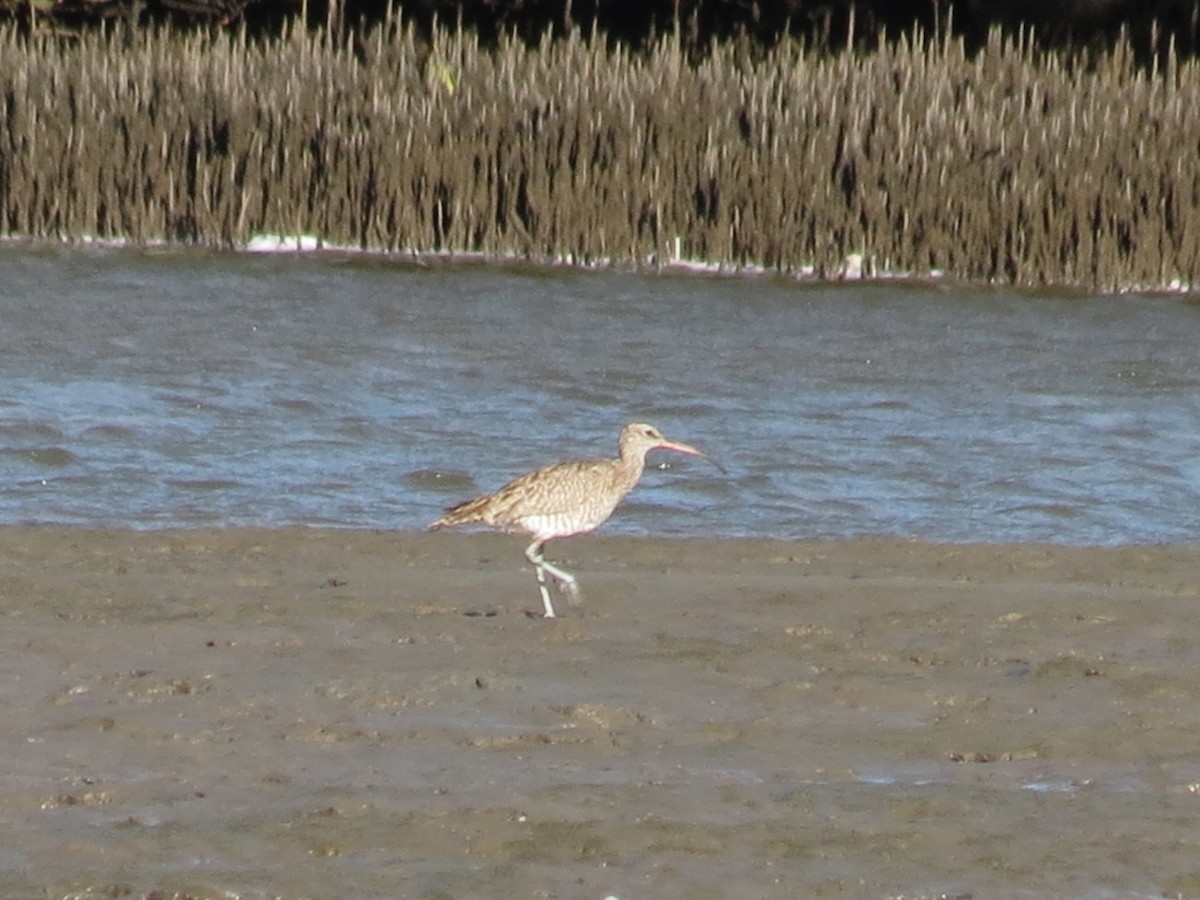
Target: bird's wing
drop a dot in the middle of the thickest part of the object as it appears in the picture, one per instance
(556, 489)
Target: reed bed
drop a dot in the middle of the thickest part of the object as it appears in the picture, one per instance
(1005, 166)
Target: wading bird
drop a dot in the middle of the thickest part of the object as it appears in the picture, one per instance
(565, 499)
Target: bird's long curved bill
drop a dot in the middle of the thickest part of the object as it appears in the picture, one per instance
(691, 451)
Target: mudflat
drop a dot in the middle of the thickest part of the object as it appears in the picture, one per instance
(323, 713)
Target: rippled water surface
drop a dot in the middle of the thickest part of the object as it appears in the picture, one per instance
(183, 388)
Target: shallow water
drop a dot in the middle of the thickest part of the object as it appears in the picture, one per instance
(168, 388)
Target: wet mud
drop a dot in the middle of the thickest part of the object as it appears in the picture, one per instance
(325, 713)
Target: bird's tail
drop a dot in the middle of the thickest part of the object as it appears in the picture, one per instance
(463, 514)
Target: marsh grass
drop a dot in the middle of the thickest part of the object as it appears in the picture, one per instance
(1007, 166)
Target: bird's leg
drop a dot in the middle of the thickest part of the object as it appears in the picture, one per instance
(567, 580)
(533, 553)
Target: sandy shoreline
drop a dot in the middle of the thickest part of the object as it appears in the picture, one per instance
(318, 713)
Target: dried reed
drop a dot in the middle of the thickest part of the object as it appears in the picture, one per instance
(1006, 166)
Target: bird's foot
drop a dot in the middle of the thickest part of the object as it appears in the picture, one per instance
(574, 594)
(547, 606)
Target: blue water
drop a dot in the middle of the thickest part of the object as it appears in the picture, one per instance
(166, 388)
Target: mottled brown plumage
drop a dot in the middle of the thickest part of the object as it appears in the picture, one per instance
(564, 499)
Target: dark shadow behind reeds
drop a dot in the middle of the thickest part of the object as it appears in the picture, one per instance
(1007, 166)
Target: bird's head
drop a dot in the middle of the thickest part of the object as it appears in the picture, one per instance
(640, 438)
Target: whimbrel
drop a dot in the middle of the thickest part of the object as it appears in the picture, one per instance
(565, 499)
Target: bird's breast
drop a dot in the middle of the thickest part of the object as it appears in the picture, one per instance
(564, 524)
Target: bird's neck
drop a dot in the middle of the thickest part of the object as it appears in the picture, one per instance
(630, 467)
